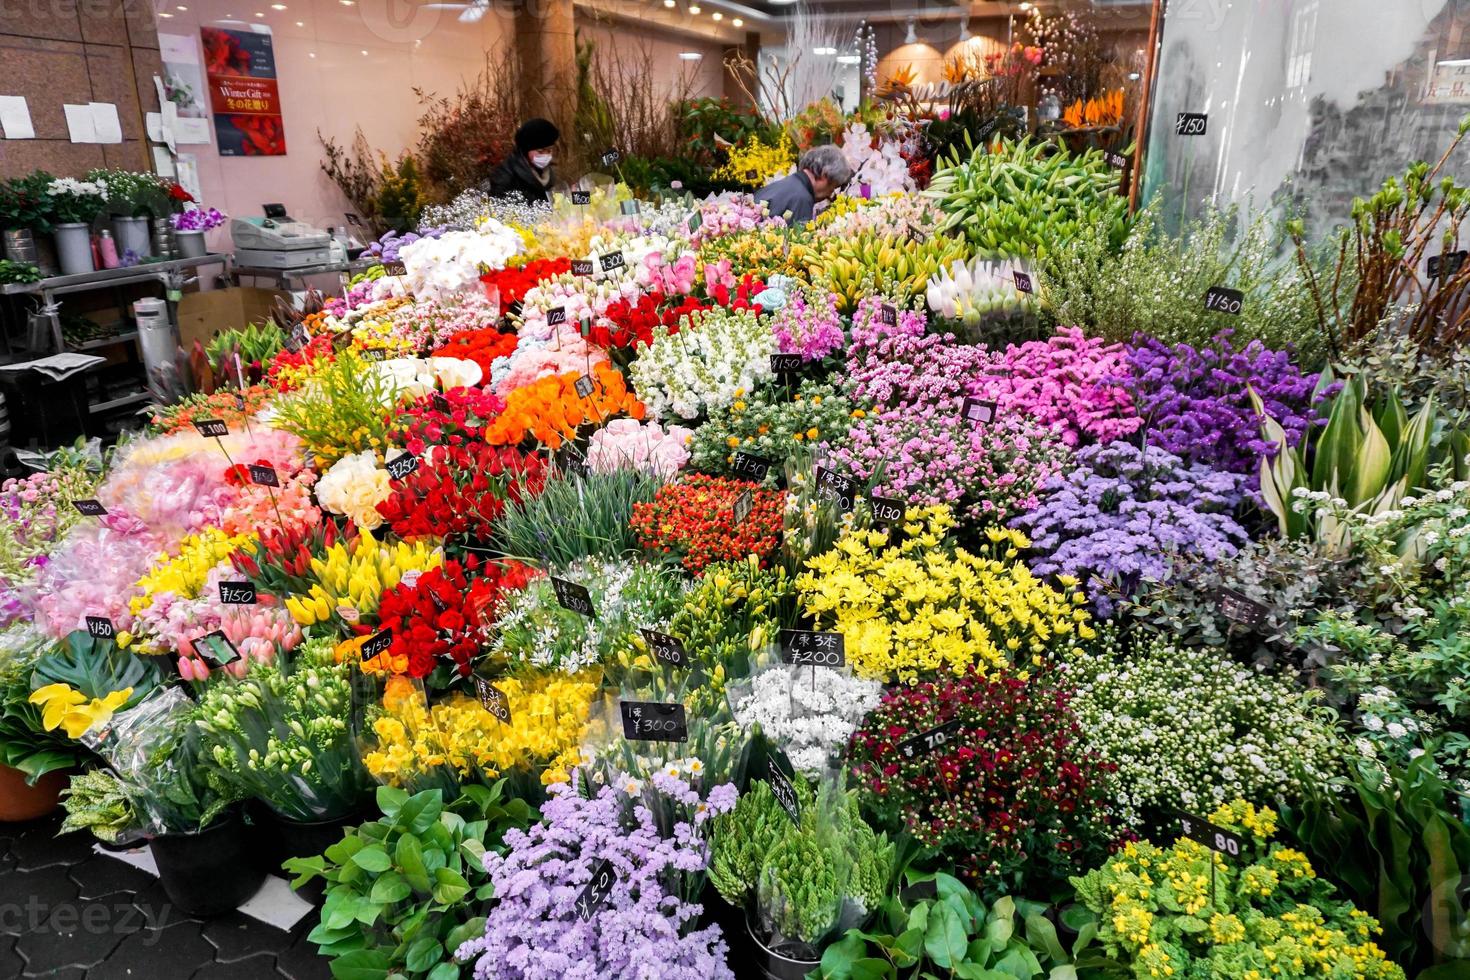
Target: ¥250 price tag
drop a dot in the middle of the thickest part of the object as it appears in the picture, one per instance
(402, 465)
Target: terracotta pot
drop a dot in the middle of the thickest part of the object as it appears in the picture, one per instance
(19, 802)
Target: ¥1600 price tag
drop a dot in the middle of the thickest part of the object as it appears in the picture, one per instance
(236, 594)
(1217, 839)
(572, 596)
(100, 627)
(654, 721)
(402, 465)
(1222, 299)
(931, 741)
(594, 896)
(807, 648)
(666, 649)
(493, 700)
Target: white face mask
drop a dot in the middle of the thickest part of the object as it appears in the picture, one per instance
(540, 160)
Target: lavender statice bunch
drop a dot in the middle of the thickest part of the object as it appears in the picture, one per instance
(900, 365)
(1196, 403)
(1122, 513)
(386, 248)
(809, 325)
(642, 928)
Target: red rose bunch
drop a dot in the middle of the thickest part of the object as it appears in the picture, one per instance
(688, 304)
(480, 346)
(514, 283)
(624, 324)
(694, 521)
(1007, 794)
(444, 616)
(461, 490)
(455, 418)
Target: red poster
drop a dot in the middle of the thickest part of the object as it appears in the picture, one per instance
(241, 68)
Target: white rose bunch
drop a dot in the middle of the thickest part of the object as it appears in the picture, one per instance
(354, 486)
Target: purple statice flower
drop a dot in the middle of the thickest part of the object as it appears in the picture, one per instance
(808, 325)
(644, 929)
(1123, 513)
(1196, 403)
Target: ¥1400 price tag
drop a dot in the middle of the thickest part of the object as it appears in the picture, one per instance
(666, 649)
(654, 721)
(594, 896)
(236, 594)
(582, 267)
(931, 741)
(89, 508)
(807, 648)
(1215, 838)
(572, 596)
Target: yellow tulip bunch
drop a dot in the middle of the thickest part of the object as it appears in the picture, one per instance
(72, 711)
(350, 584)
(549, 718)
(909, 604)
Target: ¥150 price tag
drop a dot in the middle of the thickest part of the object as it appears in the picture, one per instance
(807, 648)
(612, 260)
(581, 198)
(1241, 609)
(750, 466)
(402, 465)
(493, 700)
(100, 627)
(582, 267)
(572, 596)
(215, 647)
(888, 315)
(595, 895)
(1192, 123)
(931, 741)
(1023, 282)
(654, 721)
(666, 649)
(887, 510)
(236, 594)
(832, 485)
(1217, 839)
(263, 475)
(785, 363)
(212, 428)
(1221, 299)
(781, 786)
(979, 410)
(89, 508)
(378, 643)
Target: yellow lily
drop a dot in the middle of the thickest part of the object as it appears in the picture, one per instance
(68, 709)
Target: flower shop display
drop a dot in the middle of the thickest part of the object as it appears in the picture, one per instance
(714, 354)
(694, 521)
(773, 423)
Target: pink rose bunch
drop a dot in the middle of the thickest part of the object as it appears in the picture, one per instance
(644, 446)
(657, 274)
(729, 214)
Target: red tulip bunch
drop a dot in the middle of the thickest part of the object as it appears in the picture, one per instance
(480, 346)
(461, 490)
(514, 283)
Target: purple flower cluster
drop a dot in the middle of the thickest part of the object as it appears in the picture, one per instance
(1121, 515)
(898, 365)
(534, 932)
(808, 325)
(1196, 403)
(386, 248)
(199, 219)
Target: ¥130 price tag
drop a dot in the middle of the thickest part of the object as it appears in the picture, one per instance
(1192, 123)
(211, 428)
(378, 643)
(654, 721)
(610, 156)
(782, 789)
(236, 594)
(750, 466)
(807, 648)
(666, 649)
(89, 508)
(403, 465)
(1222, 299)
(572, 596)
(594, 896)
(1217, 839)
(263, 475)
(832, 485)
(100, 627)
(887, 510)
(493, 700)
(931, 741)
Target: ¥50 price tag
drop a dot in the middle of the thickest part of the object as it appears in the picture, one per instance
(594, 896)
(654, 721)
(806, 648)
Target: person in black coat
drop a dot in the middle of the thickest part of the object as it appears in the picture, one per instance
(527, 171)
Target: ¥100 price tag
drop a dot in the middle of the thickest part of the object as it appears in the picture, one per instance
(572, 596)
(654, 721)
(666, 649)
(808, 648)
(89, 508)
(402, 465)
(595, 895)
(493, 700)
(236, 594)
(1222, 299)
(931, 741)
(212, 428)
(100, 627)
(378, 643)
(1217, 839)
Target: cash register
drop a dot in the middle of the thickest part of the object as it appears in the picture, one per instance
(277, 242)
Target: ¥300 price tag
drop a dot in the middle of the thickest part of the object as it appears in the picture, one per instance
(611, 261)
(931, 741)
(654, 721)
(1217, 839)
(572, 596)
(806, 648)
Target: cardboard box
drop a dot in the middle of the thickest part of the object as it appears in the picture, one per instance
(202, 315)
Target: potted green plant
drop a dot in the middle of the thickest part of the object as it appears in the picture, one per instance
(34, 762)
(74, 204)
(25, 212)
(133, 200)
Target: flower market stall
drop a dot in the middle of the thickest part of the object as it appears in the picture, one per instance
(973, 582)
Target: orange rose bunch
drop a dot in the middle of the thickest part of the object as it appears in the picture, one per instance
(550, 411)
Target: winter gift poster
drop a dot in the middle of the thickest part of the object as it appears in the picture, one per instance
(241, 67)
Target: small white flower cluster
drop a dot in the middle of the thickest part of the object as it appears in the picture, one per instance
(1189, 728)
(809, 714)
(700, 368)
(437, 268)
(77, 188)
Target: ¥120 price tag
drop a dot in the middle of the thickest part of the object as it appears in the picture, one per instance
(1241, 609)
(887, 510)
(89, 508)
(979, 410)
(785, 363)
(582, 267)
(572, 596)
(556, 316)
(666, 649)
(1217, 839)
(378, 643)
(612, 260)
(594, 896)
(750, 466)
(493, 700)
(402, 465)
(1192, 123)
(654, 721)
(100, 627)
(584, 386)
(1446, 266)
(215, 647)
(581, 198)
(807, 648)
(744, 504)
(212, 428)
(1023, 282)
(1221, 299)
(931, 741)
(781, 788)
(832, 485)
(236, 594)
(263, 475)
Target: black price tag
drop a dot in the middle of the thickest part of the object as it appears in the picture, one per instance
(1241, 609)
(1192, 123)
(888, 315)
(297, 338)
(90, 508)
(582, 198)
(752, 176)
(341, 341)
(100, 627)
(1023, 282)
(610, 156)
(1217, 839)
(1447, 265)
(696, 221)
(785, 363)
(806, 648)
(630, 208)
(665, 648)
(212, 428)
(744, 504)
(594, 896)
(493, 700)
(401, 466)
(979, 410)
(611, 261)
(832, 485)
(237, 593)
(582, 267)
(263, 475)
(934, 739)
(917, 235)
(654, 721)
(750, 466)
(572, 596)
(1116, 160)
(556, 316)
(781, 787)
(440, 403)
(1222, 299)
(584, 386)
(887, 510)
(215, 647)
(376, 644)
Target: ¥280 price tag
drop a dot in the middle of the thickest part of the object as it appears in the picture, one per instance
(666, 649)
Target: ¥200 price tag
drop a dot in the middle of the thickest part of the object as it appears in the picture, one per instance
(1221, 299)
(401, 466)
(236, 594)
(666, 649)
(807, 648)
(595, 895)
(1217, 839)
(931, 741)
(493, 700)
(654, 721)
(572, 596)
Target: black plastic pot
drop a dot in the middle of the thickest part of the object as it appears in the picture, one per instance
(775, 965)
(298, 839)
(208, 873)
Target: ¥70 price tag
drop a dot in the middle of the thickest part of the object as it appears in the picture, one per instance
(931, 741)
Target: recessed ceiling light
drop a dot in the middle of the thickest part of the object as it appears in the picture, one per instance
(164, 13)
(694, 8)
(311, 54)
(364, 52)
(259, 14)
(347, 3)
(181, 7)
(301, 23)
(1026, 6)
(278, 6)
(671, 3)
(690, 56)
(738, 22)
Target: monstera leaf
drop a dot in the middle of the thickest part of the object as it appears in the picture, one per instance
(96, 668)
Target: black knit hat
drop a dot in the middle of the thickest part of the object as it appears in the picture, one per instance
(535, 134)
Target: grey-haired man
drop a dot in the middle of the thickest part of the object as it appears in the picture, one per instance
(819, 173)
